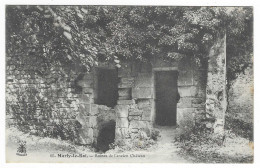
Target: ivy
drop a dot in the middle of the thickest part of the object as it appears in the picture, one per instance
(89, 34)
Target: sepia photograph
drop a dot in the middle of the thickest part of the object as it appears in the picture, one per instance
(129, 84)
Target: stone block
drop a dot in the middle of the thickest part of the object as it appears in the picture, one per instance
(147, 113)
(126, 92)
(126, 85)
(142, 93)
(143, 80)
(198, 105)
(121, 111)
(142, 103)
(185, 102)
(124, 98)
(127, 80)
(185, 117)
(122, 122)
(139, 124)
(135, 112)
(86, 83)
(121, 133)
(185, 78)
(134, 130)
(86, 136)
(197, 101)
(85, 98)
(87, 90)
(92, 121)
(134, 118)
(94, 109)
(125, 102)
(84, 109)
(187, 91)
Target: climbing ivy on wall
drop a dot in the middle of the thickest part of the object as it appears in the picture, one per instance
(88, 34)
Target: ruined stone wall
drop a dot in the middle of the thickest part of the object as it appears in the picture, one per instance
(65, 100)
(133, 109)
(55, 102)
(192, 90)
(137, 82)
(216, 103)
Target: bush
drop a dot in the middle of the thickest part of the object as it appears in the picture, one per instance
(34, 115)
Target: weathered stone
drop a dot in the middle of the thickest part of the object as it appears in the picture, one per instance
(126, 85)
(94, 109)
(85, 98)
(197, 101)
(141, 103)
(185, 102)
(127, 80)
(86, 136)
(198, 105)
(87, 90)
(121, 133)
(93, 121)
(121, 110)
(134, 118)
(187, 91)
(135, 112)
(125, 102)
(216, 83)
(122, 122)
(95, 133)
(146, 113)
(185, 117)
(124, 98)
(126, 92)
(88, 83)
(134, 130)
(84, 109)
(185, 78)
(219, 126)
(139, 124)
(143, 80)
(142, 92)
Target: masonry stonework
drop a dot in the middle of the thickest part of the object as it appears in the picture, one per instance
(216, 103)
(65, 97)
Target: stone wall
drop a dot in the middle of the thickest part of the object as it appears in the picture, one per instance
(57, 101)
(137, 81)
(70, 94)
(133, 109)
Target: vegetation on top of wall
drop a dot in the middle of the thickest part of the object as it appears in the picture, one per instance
(88, 34)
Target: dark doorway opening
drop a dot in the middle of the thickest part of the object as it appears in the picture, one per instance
(166, 92)
(106, 136)
(107, 90)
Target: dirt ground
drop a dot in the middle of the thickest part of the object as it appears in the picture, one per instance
(41, 149)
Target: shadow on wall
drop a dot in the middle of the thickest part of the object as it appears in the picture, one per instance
(106, 136)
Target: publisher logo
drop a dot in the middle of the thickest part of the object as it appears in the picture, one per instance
(21, 150)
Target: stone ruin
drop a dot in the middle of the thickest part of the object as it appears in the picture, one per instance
(123, 102)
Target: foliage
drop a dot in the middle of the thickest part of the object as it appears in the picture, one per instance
(88, 34)
(205, 147)
(36, 116)
(240, 127)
